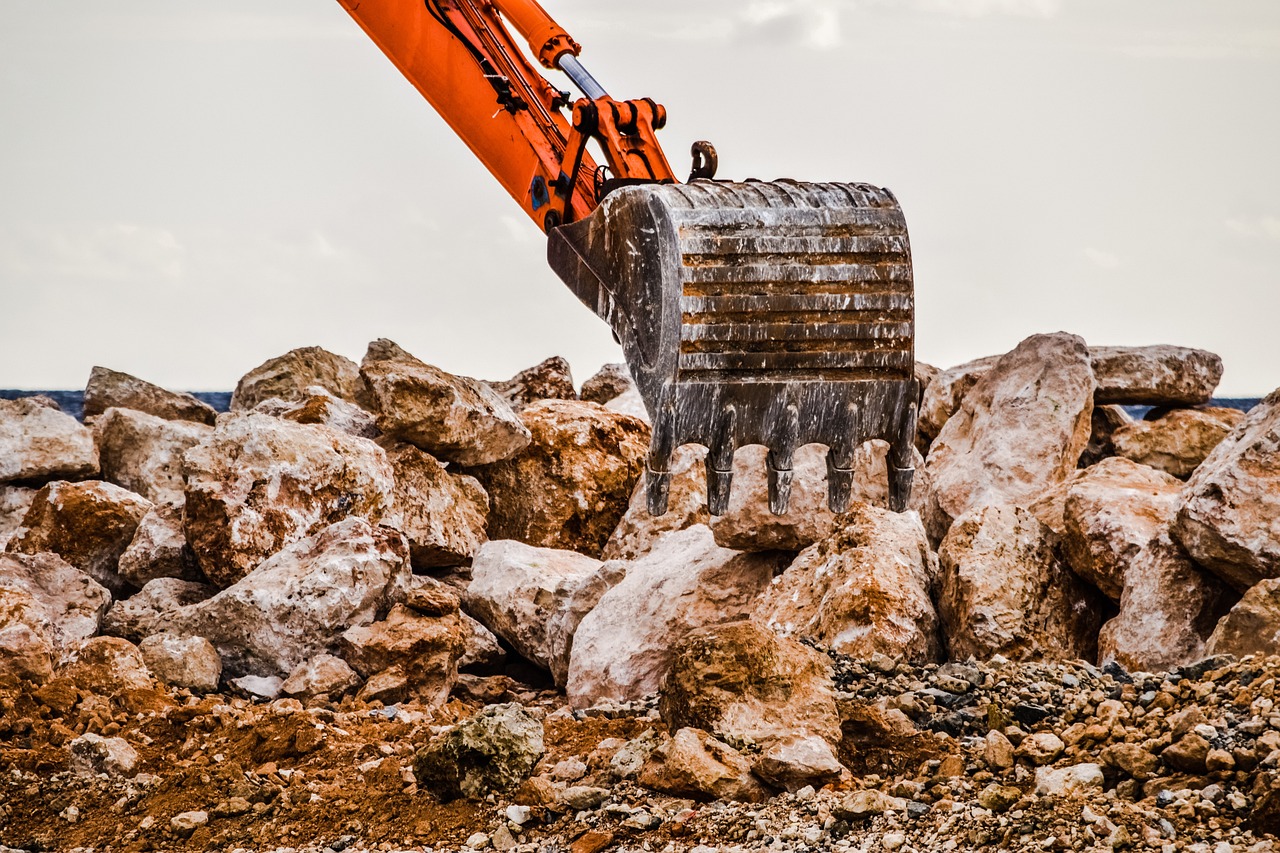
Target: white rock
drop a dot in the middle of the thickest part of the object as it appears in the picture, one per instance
(183, 661)
(143, 453)
(39, 443)
(92, 754)
(159, 549)
(1067, 781)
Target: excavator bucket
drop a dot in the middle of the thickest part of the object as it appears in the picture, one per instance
(776, 313)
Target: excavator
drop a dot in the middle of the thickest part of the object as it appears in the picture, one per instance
(778, 313)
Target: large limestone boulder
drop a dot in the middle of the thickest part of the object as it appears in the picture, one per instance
(1252, 627)
(749, 525)
(260, 483)
(1050, 506)
(109, 389)
(143, 453)
(534, 598)
(945, 392)
(158, 549)
(747, 686)
(569, 488)
(443, 514)
(1155, 375)
(1178, 441)
(1111, 513)
(623, 647)
(46, 606)
(1020, 430)
(638, 530)
(1168, 608)
(147, 612)
(425, 648)
(297, 602)
(14, 503)
(863, 590)
(548, 380)
(1003, 590)
(88, 524)
(454, 418)
(289, 376)
(1229, 521)
(39, 443)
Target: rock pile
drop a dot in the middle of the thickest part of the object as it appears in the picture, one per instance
(212, 629)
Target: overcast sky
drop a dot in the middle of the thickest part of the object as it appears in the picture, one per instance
(187, 189)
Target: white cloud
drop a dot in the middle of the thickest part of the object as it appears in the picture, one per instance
(1263, 227)
(117, 252)
(986, 8)
(810, 23)
(1105, 260)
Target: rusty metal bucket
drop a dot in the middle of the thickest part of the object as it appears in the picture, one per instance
(777, 313)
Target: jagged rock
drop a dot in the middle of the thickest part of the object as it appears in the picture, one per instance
(143, 453)
(1155, 375)
(1020, 430)
(289, 376)
(864, 805)
(482, 646)
(92, 754)
(159, 549)
(946, 390)
(425, 648)
(1167, 610)
(1068, 781)
(569, 488)
(492, 752)
(88, 524)
(107, 666)
(638, 530)
(623, 647)
(455, 418)
(259, 484)
(1104, 423)
(1188, 753)
(390, 687)
(14, 503)
(443, 514)
(693, 764)
(323, 676)
(1229, 521)
(431, 597)
(748, 686)
(109, 389)
(863, 590)
(46, 606)
(1111, 513)
(609, 383)
(1050, 506)
(182, 661)
(548, 380)
(534, 598)
(39, 444)
(259, 688)
(147, 612)
(1252, 626)
(1178, 441)
(1003, 590)
(318, 406)
(298, 601)
(749, 525)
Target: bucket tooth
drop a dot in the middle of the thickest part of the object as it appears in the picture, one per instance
(719, 484)
(839, 484)
(720, 460)
(657, 485)
(900, 487)
(779, 488)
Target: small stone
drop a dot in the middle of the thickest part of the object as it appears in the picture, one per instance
(519, 815)
(188, 822)
(1066, 781)
(1219, 760)
(583, 797)
(999, 798)
(1041, 748)
(998, 752)
(863, 805)
(92, 753)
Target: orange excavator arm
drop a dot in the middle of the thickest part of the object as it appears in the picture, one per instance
(463, 59)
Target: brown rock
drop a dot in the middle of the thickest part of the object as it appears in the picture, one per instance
(1178, 441)
(430, 597)
(1187, 754)
(1252, 626)
(455, 418)
(744, 683)
(443, 514)
(1104, 423)
(1111, 513)
(695, 765)
(1167, 611)
(289, 376)
(1155, 375)
(259, 484)
(1003, 590)
(1132, 759)
(179, 661)
(107, 666)
(425, 648)
(159, 549)
(147, 612)
(143, 453)
(39, 444)
(609, 383)
(639, 531)
(863, 590)
(109, 389)
(87, 524)
(1020, 430)
(570, 486)
(623, 647)
(1229, 521)
(945, 392)
(318, 406)
(548, 380)
(46, 606)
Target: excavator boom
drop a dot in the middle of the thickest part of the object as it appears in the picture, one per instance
(777, 313)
